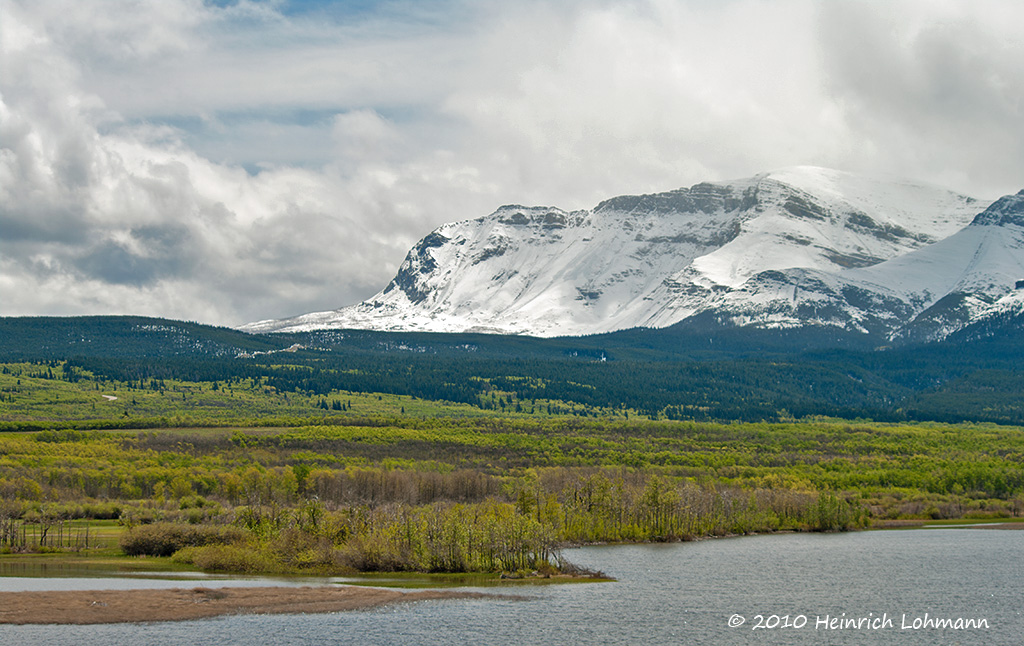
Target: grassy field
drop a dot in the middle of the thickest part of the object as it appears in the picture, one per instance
(235, 476)
(28, 395)
(39, 396)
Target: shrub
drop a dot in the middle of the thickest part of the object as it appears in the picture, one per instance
(226, 558)
(164, 539)
(100, 510)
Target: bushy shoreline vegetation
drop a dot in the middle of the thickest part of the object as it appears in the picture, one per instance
(239, 475)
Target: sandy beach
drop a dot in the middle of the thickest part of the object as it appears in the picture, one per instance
(130, 606)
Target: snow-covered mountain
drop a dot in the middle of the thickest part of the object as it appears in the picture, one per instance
(801, 246)
(923, 295)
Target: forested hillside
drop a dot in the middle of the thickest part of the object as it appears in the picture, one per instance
(676, 373)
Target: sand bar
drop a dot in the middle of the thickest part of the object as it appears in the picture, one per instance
(132, 606)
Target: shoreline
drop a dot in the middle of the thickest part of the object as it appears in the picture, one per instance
(180, 604)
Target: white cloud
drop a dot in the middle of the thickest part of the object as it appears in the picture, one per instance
(126, 128)
(934, 89)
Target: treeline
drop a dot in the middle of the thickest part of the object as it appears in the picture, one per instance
(698, 371)
(720, 391)
(495, 535)
(517, 528)
(748, 390)
(208, 507)
(55, 338)
(484, 537)
(486, 493)
(420, 461)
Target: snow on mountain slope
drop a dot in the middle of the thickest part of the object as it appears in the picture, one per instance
(923, 295)
(648, 260)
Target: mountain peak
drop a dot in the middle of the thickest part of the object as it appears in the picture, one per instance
(652, 260)
(1006, 210)
(704, 198)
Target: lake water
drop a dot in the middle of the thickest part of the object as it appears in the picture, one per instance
(888, 587)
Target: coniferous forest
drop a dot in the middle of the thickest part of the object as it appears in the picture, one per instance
(199, 447)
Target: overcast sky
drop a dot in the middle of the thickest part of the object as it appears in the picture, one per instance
(233, 161)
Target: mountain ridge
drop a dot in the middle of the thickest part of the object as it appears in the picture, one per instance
(728, 249)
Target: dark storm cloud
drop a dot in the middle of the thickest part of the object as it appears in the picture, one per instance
(18, 227)
(112, 263)
(151, 254)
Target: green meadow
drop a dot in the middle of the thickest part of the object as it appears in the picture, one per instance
(234, 475)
